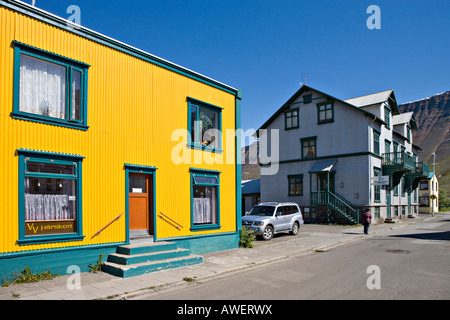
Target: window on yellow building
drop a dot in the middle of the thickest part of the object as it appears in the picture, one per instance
(205, 125)
(205, 199)
(49, 88)
(50, 197)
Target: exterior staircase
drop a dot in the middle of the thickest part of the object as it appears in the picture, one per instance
(337, 203)
(142, 258)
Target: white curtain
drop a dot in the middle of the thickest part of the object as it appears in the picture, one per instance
(202, 210)
(42, 87)
(47, 207)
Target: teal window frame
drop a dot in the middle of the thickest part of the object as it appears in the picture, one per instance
(306, 142)
(70, 65)
(403, 186)
(376, 142)
(289, 115)
(214, 176)
(324, 111)
(307, 98)
(294, 182)
(194, 142)
(387, 117)
(376, 212)
(56, 158)
(376, 189)
(387, 146)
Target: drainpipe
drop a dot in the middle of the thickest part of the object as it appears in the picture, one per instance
(370, 159)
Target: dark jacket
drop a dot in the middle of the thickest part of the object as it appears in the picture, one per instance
(366, 217)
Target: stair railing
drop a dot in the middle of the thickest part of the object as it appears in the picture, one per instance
(336, 202)
(173, 223)
(110, 223)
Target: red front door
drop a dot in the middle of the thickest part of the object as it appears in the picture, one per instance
(140, 202)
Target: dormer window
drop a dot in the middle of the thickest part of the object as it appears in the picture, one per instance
(387, 117)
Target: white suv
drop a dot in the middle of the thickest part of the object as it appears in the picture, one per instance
(269, 218)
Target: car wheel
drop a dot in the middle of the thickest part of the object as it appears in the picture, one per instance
(268, 233)
(294, 230)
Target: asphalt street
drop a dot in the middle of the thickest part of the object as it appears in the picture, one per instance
(403, 264)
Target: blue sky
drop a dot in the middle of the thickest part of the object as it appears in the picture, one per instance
(265, 47)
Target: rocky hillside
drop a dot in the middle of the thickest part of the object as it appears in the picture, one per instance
(250, 162)
(433, 119)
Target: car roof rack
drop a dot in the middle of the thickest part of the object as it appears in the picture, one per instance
(277, 203)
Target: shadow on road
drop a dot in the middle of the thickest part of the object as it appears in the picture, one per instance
(443, 235)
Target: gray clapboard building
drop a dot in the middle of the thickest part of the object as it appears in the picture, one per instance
(337, 157)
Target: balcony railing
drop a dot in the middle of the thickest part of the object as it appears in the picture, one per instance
(423, 168)
(399, 159)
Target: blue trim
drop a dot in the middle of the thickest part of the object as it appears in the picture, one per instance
(197, 146)
(206, 104)
(194, 143)
(24, 156)
(69, 65)
(112, 43)
(210, 173)
(49, 154)
(139, 169)
(56, 260)
(39, 53)
(40, 119)
(238, 161)
(206, 243)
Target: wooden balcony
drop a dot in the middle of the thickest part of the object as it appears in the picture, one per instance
(412, 179)
(396, 164)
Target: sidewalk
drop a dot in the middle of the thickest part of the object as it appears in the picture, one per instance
(104, 286)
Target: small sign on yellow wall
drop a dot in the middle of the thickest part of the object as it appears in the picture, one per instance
(34, 228)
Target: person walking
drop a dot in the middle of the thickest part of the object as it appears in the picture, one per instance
(366, 219)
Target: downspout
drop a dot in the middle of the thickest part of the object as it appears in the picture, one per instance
(238, 180)
(370, 159)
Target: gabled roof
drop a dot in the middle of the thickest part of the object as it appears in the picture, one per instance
(376, 98)
(305, 88)
(407, 117)
(370, 98)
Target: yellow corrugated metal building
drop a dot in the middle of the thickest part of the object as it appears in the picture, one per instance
(93, 128)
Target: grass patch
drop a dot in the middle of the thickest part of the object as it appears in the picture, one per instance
(26, 276)
(98, 267)
(188, 279)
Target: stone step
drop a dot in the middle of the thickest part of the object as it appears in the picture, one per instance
(141, 248)
(127, 259)
(126, 271)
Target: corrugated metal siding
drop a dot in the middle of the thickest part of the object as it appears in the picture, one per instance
(133, 108)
